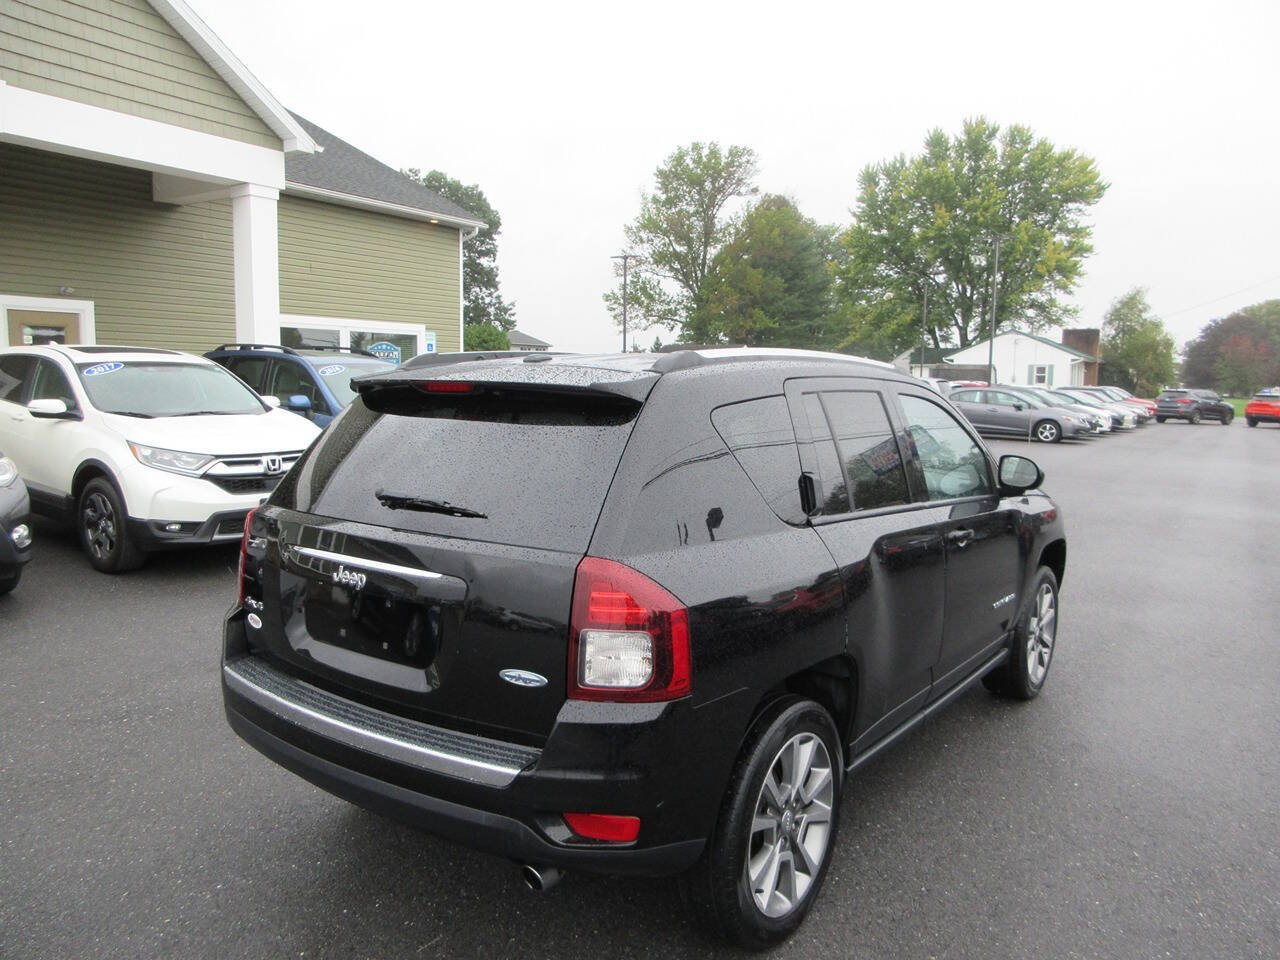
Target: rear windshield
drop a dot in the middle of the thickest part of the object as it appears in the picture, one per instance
(537, 469)
(336, 372)
(1269, 397)
(142, 389)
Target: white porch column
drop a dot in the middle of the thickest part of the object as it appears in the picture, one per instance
(256, 251)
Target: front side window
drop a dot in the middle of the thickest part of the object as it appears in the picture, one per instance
(147, 389)
(252, 370)
(868, 449)
(966, 396)
(50, 383)
(951, 460)
(291, 380)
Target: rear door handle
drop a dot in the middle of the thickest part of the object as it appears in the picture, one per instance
(960, 537)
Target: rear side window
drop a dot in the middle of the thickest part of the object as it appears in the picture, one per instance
(537, 469)
(15, 371)
(868, 450)
(760, 435)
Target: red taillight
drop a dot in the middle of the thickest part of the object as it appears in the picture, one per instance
(628, 637)
(604, 826)
(445, 386)
(244, 554)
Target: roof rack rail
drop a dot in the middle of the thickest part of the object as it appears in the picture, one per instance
(689, 358)
(256, 346)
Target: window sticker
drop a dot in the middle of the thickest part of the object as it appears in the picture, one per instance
(332, 370)
(100, 368)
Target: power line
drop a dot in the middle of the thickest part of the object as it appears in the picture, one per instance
(1252, 286)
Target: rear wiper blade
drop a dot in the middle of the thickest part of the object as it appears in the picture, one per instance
(400, 501)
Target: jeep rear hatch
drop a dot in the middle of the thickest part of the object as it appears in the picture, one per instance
(428, 542)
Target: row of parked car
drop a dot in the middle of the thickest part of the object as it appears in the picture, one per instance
(1048, 414)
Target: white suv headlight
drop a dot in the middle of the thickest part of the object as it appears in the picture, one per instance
(175, 461)
(8, 472)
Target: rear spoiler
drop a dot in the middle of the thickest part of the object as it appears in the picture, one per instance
(462, 380)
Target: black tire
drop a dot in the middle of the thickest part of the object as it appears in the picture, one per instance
(102, 524)
(1015, 677)
(717, 891)
(1161, 419)
(1228, 417)
(8, 583)
(1195, 417)
(1251, 421)
(1047, 431)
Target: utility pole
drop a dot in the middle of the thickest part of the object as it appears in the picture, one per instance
(995, 295)
(626, 258)
(924, 322)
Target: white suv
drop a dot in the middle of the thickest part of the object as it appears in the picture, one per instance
(144, 449)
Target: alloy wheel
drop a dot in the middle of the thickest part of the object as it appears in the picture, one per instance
(791, 826)
(1047, 432)
(99, 520)
(1041, 629)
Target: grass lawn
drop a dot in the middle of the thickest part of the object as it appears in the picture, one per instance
(1238, 403)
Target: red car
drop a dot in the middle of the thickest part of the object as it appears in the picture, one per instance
(1263, 408)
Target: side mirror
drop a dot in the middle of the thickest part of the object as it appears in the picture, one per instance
(1018, 475)
(1017, 406)
(271, 401)
(299, 403)
(52, 410)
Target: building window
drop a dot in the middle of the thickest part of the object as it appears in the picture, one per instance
(1042, 375)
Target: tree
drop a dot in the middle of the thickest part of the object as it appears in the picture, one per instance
(770, 284)
(1259, 323)
(1137, 351)
(482, 301)
(1244, 365)
(484, 336)
(932, 220)
(679, 230)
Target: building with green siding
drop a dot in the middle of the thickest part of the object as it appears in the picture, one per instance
(153, 193)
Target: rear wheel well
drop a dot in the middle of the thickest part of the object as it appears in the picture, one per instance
(1054, 556)
(831, 683)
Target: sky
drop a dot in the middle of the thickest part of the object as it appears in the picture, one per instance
(561, 113)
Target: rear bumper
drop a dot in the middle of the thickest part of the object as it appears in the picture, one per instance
(597, 759)
(1262, 417)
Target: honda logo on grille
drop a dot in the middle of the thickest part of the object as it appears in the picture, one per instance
(274, 464)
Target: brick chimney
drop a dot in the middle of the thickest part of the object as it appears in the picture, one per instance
(1085, 339)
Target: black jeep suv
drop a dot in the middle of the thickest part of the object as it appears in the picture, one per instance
(638, 613)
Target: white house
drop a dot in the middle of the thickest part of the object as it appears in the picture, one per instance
(1029, 359)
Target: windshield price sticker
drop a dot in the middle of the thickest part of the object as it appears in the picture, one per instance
(100, 368)
(332, 370)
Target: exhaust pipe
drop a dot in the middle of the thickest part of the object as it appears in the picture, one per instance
(540, 879)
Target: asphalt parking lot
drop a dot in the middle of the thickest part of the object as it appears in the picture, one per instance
(1129, 812)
